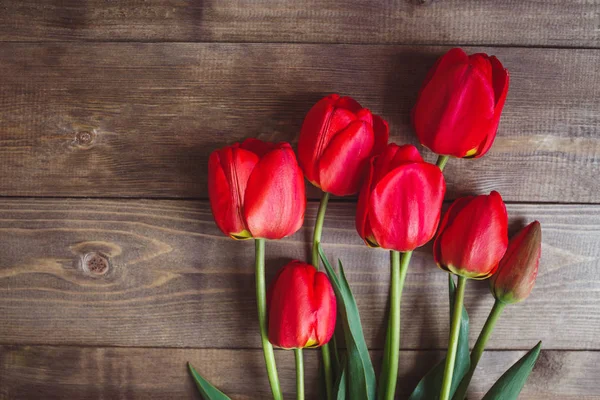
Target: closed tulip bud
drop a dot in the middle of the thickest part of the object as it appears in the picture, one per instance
(400, 203)
(337, 139)
(459, 104)
(302, 307)
(519, 267)
(256, 189)
(473, 236)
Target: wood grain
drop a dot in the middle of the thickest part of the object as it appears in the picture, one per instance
(128, 373)
(503, 22)
(175, 281)
(139, 120)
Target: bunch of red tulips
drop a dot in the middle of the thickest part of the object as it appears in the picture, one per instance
(257, 191)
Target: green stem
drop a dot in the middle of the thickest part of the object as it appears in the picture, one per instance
(318, 231)
(299, 374)
(399, 268)
(441, 161)
(477, 351)
(453, 342)
(261, 301)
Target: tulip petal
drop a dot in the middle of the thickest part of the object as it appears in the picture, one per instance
(381, 130)
(291, 316)
(500, 81)
(322, 122)
(481, 64)
(324, 305)
(405, 206)
(259, 147)
(449, 217)
(343, 165)
(363, 226)
(395, 156)
(275, 201)
(452, 57)
(453, 113)
(228, 172)
(348, 103)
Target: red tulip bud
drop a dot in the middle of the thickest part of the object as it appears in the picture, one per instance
(473, 236)
(301, 306)
(459, 105)
(518, 269)
(337, 139)
(256, 189)
(400, 203)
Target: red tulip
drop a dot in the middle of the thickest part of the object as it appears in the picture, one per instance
(400, 203)
(519, 267)
(337, 139)
(302, 307)
(459, 105)
(473, 236)
(256, 189)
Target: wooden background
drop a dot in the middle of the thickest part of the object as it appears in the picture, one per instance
(112, 272)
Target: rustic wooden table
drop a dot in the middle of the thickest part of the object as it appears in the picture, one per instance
(112, 272)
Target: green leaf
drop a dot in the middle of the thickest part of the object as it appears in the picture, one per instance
(208, 391)
(511, 383)
(341, 384)
(430, 385)
(360, 374)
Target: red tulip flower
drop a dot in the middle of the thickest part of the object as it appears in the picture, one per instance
(473, 236)
(337, 139)
(400, 203)
(459, 105)
(519, 267)
(302, 307)
(256, 189)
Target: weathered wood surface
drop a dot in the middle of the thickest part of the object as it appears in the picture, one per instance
(139, 120)
(80, 373)
(506, 22)
(175, 281)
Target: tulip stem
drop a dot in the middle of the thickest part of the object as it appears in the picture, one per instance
(299, 374)
(441, 161)
(261, 301)
(389, 371)
(318, 231)
(477, 351)
(453, 341)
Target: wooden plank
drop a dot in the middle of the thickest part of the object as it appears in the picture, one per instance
(175, 281)
(505, 22)
(139, 120)
(129, 373)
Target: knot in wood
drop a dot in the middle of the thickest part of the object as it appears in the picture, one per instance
(84, 138)
(96, 263)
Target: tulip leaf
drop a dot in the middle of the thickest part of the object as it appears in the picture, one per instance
(208, 391)
(510, 384)
(341, 384)
(360, 375)
(430, 385)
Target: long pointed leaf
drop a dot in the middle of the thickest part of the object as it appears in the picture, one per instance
(511, 383)
(341, 384)
(360, 374)
(430, 385)
(208, 391)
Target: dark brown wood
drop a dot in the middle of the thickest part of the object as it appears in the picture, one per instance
(80, 373)
(160, 274)
(506, 22)
(139, 120)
